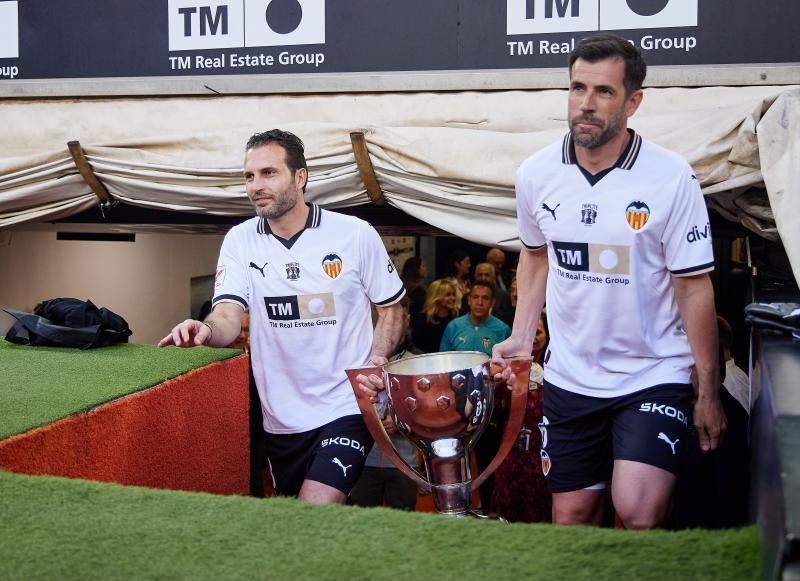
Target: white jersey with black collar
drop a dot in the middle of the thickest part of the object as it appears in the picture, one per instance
(614, 242)
(310, 315)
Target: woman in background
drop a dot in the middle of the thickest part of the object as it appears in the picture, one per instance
(413, 277)
(440, 308)
(458, 274)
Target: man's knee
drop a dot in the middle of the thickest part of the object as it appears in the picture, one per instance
(642, 518)
(581, 507)
(642, 494)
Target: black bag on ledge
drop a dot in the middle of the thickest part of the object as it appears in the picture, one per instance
(68, 323)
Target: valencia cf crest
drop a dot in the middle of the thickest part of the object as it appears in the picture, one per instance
(546, 464)
(332, 265)
(292, 270)
(637, 213)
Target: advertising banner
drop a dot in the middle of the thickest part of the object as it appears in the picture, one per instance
(110, 40)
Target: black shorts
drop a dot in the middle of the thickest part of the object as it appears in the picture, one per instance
(333, 454)
(582, 435)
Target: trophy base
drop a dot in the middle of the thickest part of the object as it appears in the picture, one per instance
(479, 514)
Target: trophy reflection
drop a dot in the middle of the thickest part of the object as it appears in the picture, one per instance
(441, 403)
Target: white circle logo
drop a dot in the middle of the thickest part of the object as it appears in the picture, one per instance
(316, 306)
(608, 259)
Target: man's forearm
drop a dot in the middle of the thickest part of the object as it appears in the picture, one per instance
(225, 322)
(388, 331)
(695, 298)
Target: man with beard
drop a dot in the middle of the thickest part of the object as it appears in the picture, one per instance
(308, 278)
(605, 218)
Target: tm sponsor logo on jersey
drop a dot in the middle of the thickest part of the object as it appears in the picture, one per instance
(593, 263)
(295, 311)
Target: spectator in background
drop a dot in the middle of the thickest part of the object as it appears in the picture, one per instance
(478, 330)
(520, 491)
(497, 258)
(713, 491)
(512, 297)
(502, 302)
(458, 269)
(381, 483)
(736, 381)
(413, 277)
(439, 309)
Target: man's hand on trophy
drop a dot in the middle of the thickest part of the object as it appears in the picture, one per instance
(373, 383)
(511, 347)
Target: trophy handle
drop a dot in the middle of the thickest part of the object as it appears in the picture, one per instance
(521, 367)
(375, 426)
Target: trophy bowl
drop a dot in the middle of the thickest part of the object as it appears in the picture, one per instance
(441, 403)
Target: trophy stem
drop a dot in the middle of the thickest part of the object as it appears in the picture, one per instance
(451, 477)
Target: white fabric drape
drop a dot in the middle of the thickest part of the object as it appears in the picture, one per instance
(448, 159)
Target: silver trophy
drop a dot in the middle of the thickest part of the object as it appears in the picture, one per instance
(441, 403)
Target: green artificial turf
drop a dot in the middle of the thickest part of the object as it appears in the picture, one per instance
(39, 385)
(56, 528)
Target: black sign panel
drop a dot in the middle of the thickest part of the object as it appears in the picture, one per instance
(75, 39)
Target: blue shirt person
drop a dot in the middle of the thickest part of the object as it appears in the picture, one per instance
(478, 330)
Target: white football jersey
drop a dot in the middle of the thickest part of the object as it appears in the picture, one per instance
(310, 315)
(614, 242)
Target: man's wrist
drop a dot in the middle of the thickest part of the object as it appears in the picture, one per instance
(210, 333)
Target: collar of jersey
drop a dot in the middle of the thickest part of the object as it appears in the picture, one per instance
(313, 220)
(626, 159)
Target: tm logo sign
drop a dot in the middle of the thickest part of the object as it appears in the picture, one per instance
(206, 24)
(547, 16)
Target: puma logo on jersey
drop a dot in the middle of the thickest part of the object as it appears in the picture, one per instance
(342, 466)
(259, 268)
(553, 211)
(665, 438)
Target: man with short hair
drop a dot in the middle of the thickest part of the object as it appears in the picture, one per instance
(478, 330)
(497, 258)
(308, 277)
(502, 309)
(604, 217)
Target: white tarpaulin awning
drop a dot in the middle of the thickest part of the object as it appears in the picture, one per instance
(448, 159)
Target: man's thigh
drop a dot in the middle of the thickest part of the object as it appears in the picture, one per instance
(654, 426)
(576, 440)
(652, 432)
(332, 454)
(338, 458)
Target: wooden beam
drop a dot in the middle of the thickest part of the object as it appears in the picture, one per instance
(87, 173)
(366, 170)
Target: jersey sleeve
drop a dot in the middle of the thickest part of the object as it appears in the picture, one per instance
(231, 282)
(529, 233)
(686, 240)
(378, 274)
